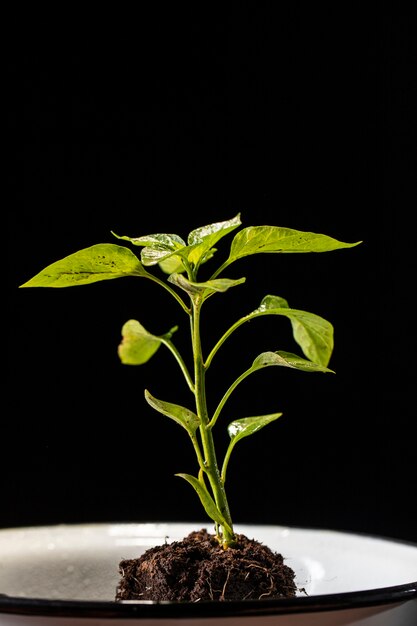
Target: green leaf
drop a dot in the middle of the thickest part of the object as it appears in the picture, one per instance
(206, 288)
(238, 429)
(138, 345)
(202, 239)
(272, 302)
(313, 333)
(286, 359)
(168, 241)
(206, 500)
(157, 247)
(182, 416)
(102, 261)
(257, 239)
(172, 264)
(201, 243)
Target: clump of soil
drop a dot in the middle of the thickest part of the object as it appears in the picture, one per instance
(198, 568)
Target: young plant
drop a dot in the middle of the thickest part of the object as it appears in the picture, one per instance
(181, 262)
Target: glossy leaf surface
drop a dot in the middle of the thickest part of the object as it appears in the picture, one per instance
(158, 248)
(202, 239)
(238, 429)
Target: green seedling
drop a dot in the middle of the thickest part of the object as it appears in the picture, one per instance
(177, 264)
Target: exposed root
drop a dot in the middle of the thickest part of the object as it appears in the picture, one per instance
(197, 569)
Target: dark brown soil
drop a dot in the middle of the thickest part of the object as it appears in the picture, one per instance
(198, 568)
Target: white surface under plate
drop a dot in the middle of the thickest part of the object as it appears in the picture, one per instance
(66, 575)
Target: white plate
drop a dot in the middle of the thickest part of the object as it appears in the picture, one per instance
(66, 575)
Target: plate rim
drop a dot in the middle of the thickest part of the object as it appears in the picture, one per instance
(390, 595)
(182, 610)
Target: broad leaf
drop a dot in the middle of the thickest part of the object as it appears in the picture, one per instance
(286, 359)
(182, 416)
(138, 345)
(313, 333)
(102, 261)
(257, 239)
(206, 500)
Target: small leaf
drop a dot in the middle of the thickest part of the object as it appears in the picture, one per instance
(172, 264)
(167, 241)
(272, 302)
(138, 345)
(182, 416)
(156, 248)
(202, 239)
(210, 286)
(313, 333)
(238, 429)
(213, 232)
(206, 500)
(286, 359)
(257, 239)
(155, 255)
(102, 261)
(188, 286)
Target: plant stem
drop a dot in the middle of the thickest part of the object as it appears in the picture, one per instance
(227, 396)
(180, 361)
(210, 461)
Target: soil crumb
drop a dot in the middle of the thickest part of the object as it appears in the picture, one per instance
(198, 568)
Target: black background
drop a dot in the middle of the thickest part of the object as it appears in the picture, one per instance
(164, 121)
